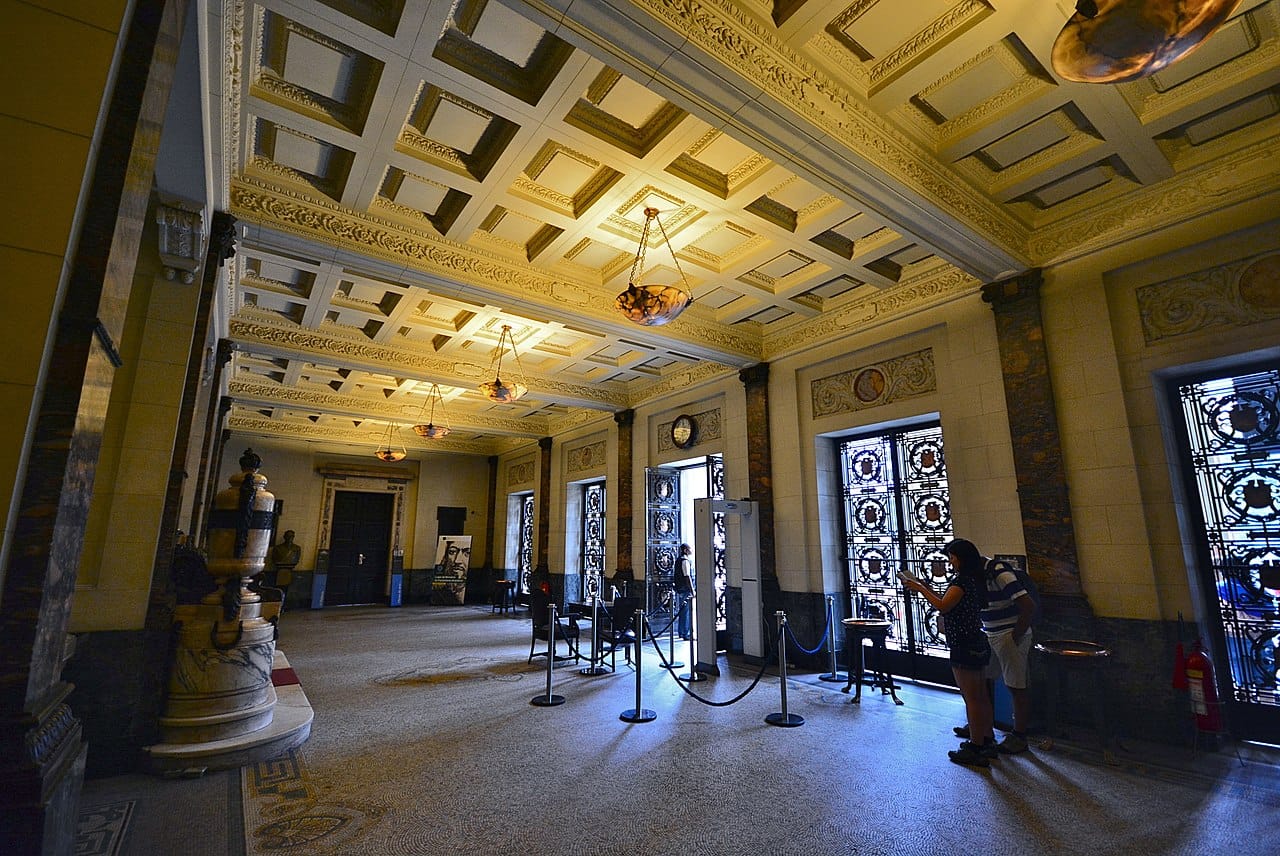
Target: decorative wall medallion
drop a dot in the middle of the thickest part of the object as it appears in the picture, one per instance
(900, 378)
(1232, 295)
(869, 385)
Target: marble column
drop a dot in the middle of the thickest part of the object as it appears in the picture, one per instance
(214, 413)
(623, 499)
(1037, 448)
(221, 247)
(489, 516)
(542, 568)
(755, 379)
(42, 754)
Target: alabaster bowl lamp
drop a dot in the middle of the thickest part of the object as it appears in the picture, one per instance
(430, 429)
(387, 450)
(515, 385)
(653, 304)
(1113, 41)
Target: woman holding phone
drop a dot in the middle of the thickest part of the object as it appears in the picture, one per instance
(961, 603)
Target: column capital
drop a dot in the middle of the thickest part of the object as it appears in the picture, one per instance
(222, 237)
(1015, 288)
(754, 375)
(624, 418)
(544, 443)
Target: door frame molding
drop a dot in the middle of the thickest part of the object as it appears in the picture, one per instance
(338, 478)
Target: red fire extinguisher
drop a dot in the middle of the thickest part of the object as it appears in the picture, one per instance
(1203, 689)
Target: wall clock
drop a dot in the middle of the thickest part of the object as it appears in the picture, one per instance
(684, 430)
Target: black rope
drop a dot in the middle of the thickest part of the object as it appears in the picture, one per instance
(684, 685)
(804, 650)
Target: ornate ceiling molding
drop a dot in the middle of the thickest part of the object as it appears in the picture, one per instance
(254, 335)
(402, 410)
(1246, 175)
(740, 43)
(500, 278)
(257, 425)
(933, 289)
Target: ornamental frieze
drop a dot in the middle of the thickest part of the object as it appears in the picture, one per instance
(586, 459)
(874, 385)
(1234, 295)
(521, 473)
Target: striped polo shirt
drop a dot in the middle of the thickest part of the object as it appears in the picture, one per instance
(1001, 613)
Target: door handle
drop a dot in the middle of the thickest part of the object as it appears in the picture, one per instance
(359, 558)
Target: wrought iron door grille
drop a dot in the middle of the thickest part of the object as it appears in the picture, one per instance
(526, 541)
(1233, 431)
(720, 576)
(897, 514)
(593, 528)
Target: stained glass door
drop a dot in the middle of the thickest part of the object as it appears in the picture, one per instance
(1231, 438)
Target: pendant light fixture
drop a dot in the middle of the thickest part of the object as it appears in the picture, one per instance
(510, 389)
(430, 429)
(652, 305)
(1113, 41)
(388, 452)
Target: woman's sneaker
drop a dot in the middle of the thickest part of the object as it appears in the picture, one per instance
(1012, 744)
(969, 755)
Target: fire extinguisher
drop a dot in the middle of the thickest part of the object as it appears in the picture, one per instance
(1203, 689)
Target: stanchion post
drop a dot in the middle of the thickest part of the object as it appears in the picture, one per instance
(693, 676)
(783, 719)
(834, 674)
(597, 664)
(638, 713)
(547, 699)
(671, 641)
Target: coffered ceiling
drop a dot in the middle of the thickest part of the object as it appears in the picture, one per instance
(411, 175)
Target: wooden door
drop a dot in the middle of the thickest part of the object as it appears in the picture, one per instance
(360, 547)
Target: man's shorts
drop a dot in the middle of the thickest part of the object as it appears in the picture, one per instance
(1011, 658)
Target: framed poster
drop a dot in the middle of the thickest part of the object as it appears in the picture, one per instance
(453, 560)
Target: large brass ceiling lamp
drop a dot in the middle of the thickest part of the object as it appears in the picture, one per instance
(388, 452)
(1112, 41)
(430, 429)
(498, 389)
(652, 305)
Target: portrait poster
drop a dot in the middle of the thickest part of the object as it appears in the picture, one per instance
(453, 559)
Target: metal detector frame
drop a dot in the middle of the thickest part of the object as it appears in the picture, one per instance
(742, 567)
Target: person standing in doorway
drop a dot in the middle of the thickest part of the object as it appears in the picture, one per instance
(684, 588)
(961, 603)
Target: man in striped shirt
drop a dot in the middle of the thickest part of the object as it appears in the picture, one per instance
(1007, 622)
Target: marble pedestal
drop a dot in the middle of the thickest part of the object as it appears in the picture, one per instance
(220, 682)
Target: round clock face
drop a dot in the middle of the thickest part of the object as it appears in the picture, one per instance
(682, 431)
